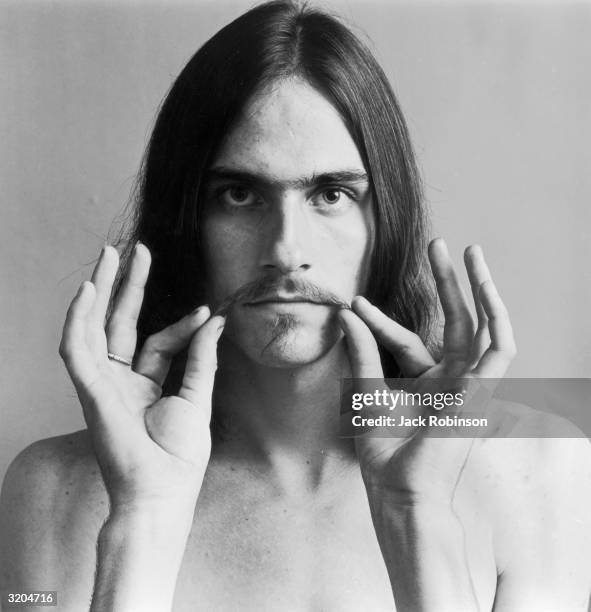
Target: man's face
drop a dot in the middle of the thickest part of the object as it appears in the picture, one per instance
(289, 216)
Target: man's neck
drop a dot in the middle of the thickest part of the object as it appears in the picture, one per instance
(283, 420)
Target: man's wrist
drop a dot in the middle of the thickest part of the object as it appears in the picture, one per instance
(405, 500)
(169, 508)
(424, 552)
(140, 551)
(432, 520)
(162, 523)
(157, 525)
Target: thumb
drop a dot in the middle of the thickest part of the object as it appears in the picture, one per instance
(362, 347)
(202, 363)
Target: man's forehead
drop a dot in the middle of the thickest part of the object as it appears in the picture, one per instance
(290, 132)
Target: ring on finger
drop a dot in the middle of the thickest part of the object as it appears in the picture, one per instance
(118, 359)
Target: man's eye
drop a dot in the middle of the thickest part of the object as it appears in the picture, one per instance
(238, 196)
(332, 197)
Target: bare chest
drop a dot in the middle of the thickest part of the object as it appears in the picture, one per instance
(253, 551)
(252, 554)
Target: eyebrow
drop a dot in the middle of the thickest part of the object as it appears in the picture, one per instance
(244, 176)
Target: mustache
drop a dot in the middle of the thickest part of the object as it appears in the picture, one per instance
(260, 288)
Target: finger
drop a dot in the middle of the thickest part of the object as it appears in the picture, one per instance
(458, 331)
(122, 325)
(480, 344)
(361, 346)
(407, 348)
(201, 365)
(103, 278)
(498, 356)
(156, 355)
(478, 273)
(73, 349)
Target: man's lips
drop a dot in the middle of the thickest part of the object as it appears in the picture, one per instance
(274, 291)
(277, 299)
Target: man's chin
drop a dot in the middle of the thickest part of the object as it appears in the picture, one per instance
(289, 356)
(288, 343)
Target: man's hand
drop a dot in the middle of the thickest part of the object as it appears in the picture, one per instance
(411, 481)
(150, 449)
(423, 467)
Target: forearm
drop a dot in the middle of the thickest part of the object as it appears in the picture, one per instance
(138, 559)
(424, 552)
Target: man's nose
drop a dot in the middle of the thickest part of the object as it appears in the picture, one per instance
(287, 236)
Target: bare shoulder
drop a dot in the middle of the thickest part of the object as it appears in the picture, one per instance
(533, 483)
(531, 449)
(52, 505)
(53, 472)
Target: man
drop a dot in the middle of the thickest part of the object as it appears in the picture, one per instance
(278, 188)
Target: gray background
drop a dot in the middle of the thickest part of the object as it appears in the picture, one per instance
(497, 97)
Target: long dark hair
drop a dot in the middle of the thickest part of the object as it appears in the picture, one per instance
(276, 40)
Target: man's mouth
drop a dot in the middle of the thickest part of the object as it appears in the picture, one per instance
(270, 291)
(281, 299)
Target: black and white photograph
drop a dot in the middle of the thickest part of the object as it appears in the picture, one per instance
(295, 305)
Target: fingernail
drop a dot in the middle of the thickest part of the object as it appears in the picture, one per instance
(106, 248)
(198, 309)
(363, 301)
(220, 329)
